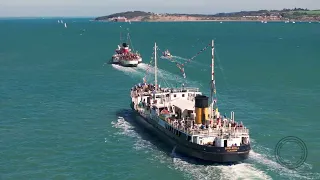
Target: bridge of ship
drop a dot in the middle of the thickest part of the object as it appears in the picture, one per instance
(180, 101)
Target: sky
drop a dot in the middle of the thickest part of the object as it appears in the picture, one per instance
(93, 8)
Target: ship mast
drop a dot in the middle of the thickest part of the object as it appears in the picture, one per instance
(155, 66)
(120, 36)
(212, 77)
(128, 41)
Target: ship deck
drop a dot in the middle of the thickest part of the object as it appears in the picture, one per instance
(182, 104)
(188, 103)
(216, 132)
(149, 92)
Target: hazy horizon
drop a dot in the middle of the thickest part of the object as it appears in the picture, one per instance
(94, 8)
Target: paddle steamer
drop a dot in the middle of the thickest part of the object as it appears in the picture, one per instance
(125, 57)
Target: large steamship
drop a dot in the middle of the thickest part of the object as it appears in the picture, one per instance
(183, 118)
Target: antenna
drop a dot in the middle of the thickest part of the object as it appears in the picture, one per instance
(120, 35)
(212, 76)
(155, 66)
(129, 41)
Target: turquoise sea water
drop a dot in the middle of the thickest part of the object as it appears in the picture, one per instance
(66, 115)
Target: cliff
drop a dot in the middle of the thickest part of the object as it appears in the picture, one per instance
(297, 14)
(128, 15)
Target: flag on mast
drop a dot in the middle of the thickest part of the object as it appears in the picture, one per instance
(180, 66)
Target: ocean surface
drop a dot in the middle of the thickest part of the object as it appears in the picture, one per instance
(64, 113)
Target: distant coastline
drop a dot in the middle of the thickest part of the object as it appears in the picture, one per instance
(296, 14)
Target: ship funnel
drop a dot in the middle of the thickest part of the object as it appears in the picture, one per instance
(201, 107)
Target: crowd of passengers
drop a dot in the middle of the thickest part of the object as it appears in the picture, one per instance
(149, 88)
(129, 56)
(145, 88)
(226, 123)
(140, 88)
(180, 124)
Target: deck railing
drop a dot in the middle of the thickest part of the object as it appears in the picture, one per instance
(222, 131)
(212, 132)
(172, 90)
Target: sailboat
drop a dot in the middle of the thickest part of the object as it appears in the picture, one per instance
(184, 119)
(65, 25)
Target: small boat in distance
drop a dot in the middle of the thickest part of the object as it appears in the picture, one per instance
(166, 54)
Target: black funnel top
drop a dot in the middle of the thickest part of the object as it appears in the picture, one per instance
(201, 101)
(124, 44)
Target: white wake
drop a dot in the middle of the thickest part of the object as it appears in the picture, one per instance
(239, 171)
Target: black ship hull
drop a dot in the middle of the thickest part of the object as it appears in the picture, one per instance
(128, 65)
(124, 65)
(205, 153)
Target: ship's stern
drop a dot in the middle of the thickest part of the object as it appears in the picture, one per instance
(228, 154)
(217, 154)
